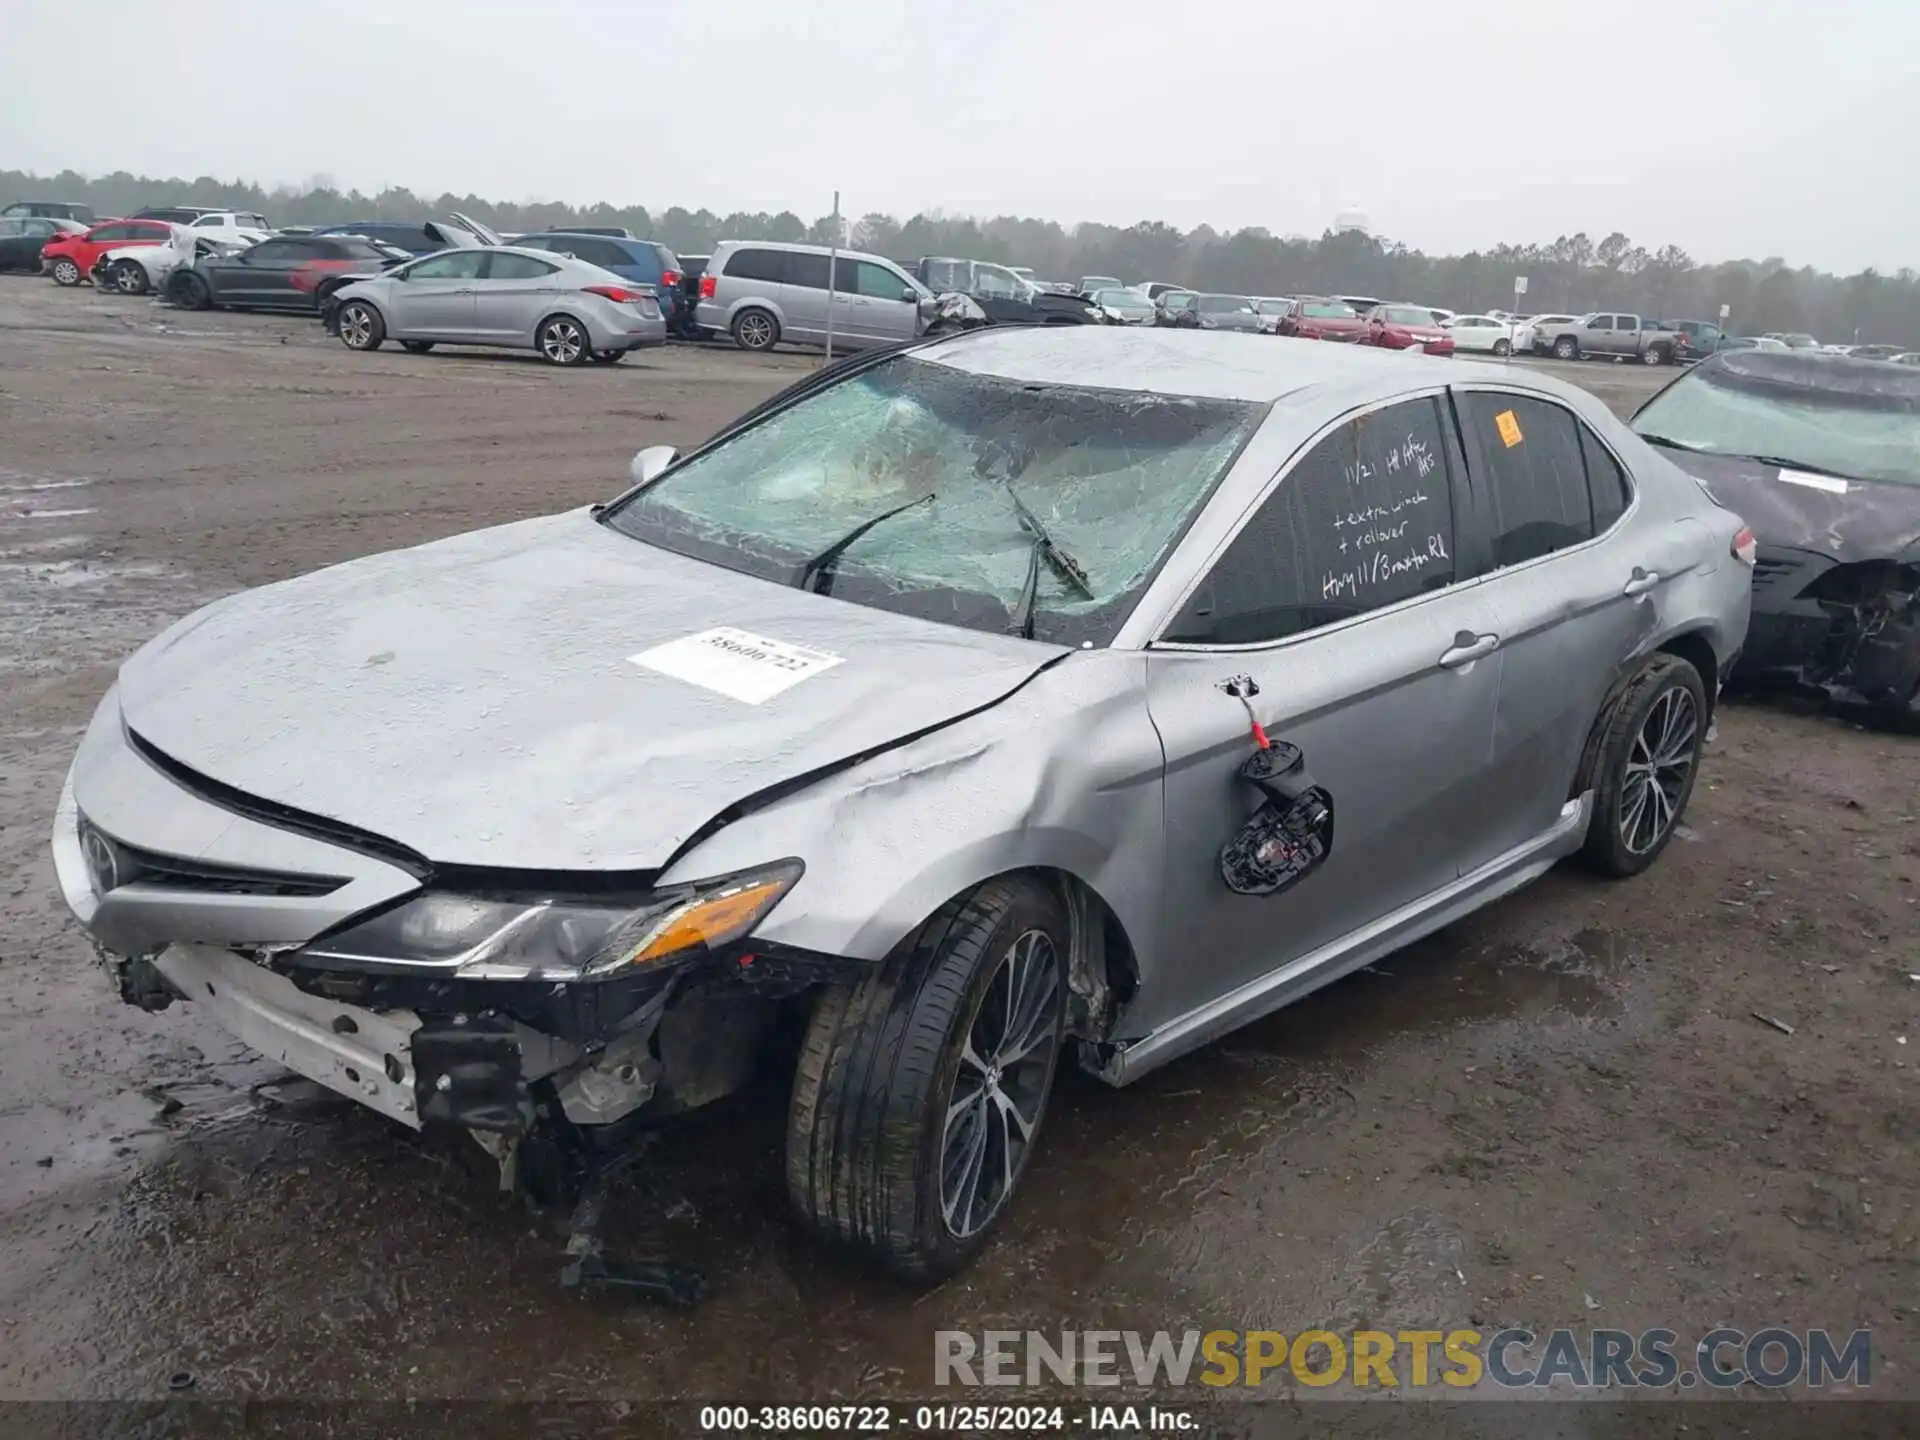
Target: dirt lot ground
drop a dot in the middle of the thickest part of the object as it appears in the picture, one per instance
(1560, 1112)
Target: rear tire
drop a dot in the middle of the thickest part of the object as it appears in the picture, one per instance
(1502, 348)
(416, 347)
(65, 272)
(361, 327)
(756, 329)
(1644, 764)
(562, 340)
(1566, 348)
(921, 1090)
(1656, 355)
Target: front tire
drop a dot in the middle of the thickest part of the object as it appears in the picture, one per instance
(130, 278)
(920, 1091)
(361, 327)
(190, 291)
(1566, 348)
(756, 330)
(1644, 766)
(1502, 348)
(562, 340)
(65, 272)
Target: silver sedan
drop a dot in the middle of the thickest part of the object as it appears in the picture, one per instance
(501, 295)
(1035, 695)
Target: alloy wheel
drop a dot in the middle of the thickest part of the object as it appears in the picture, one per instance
(128, 279)
(65, 272)
(1657, 769)
(562, 342)
(756, 331)
(356, 327)
(1006, 1068)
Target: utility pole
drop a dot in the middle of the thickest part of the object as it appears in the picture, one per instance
(833, 267)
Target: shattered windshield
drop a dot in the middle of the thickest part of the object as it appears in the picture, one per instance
(1861, 434)
(940, 463)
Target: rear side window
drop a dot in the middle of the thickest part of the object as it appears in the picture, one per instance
(150, 232)
(107, 234)
(603, 253)
(1606, 482)
(808, 270)
(764, 265)
(1533, 481)
(1365, 520)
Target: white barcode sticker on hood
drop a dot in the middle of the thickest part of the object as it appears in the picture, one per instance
(1830, 483)
(734, 663)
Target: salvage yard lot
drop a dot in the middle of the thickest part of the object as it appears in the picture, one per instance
(1562, 1111)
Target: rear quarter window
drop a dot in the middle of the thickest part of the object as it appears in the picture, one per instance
(763, 265)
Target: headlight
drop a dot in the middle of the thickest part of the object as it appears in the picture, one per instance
(475, 938)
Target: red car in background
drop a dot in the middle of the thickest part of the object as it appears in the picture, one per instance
(70, 258)
(1401, 327)
(1314, 317)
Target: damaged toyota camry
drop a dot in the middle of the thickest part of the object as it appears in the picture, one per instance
(1822, 454)
(1023, 694)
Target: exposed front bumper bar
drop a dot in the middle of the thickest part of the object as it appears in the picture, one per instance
(361, 1055)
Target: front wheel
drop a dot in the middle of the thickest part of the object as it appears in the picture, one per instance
(65, 272)
(189, 291)
(1502, 348)
(1656, 355)
(562, 340)
(920, 1091)
(130, 277)
(1644, 765)
(1566, 348)
(361, 327)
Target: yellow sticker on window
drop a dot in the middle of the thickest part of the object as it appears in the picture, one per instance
(1509, 428)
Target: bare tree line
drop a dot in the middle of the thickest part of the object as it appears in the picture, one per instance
(1572, 273)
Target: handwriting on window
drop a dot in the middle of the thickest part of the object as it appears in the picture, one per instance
(1393, 523)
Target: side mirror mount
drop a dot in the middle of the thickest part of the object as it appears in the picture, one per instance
(912, 297)
(651, 461)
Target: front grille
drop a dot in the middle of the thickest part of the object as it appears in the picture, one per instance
(113, 863)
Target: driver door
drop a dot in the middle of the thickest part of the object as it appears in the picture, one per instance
(437, 298)
(1377, 657)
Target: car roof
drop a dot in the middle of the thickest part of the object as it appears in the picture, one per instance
(1206, 365)
(731, 245)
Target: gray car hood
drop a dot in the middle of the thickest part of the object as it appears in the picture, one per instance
(477, 698)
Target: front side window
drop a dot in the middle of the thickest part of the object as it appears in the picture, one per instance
(878, 282)
(275, 252)
(1532, 482)
(450, 265)
(1364, 520)
(950, 457)
(519, 267)
(109, 234)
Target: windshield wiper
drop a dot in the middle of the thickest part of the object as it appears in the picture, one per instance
(1063, 564)
(1782, 462)
(1668, 444)
(820, 568)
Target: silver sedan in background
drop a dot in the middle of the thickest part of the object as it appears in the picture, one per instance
(501, 295)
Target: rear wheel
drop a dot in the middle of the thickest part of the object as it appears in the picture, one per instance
(1656, 355)
(65, 272)
(755, 330)
(1566, 348)
(416, 347)
(562, 340)
(130, 277)
(361, 327)
(920, 1091)
(1502, 348)
(1644, 765)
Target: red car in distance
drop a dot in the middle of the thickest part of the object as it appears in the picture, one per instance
(69, 259)
(1313, 317)
(1401, 327)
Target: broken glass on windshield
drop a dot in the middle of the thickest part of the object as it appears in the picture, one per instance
(1112, 475)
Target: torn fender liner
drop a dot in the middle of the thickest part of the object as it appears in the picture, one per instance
(1289, 836)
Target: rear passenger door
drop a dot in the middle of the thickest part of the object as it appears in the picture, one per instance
(803, 295)
(1342, 600)
(513, 295)
(1570, 584)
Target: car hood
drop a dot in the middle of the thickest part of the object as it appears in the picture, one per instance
(480, 700)
(1867, 520)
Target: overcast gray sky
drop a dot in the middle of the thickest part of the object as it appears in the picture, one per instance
(1732, 129)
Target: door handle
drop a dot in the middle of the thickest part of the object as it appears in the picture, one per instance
(1642, 581)
(1467, 648)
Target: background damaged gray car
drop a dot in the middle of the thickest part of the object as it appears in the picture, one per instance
(1037, 688)
(1821, 455)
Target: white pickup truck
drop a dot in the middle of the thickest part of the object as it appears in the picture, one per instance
(1609, 335)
